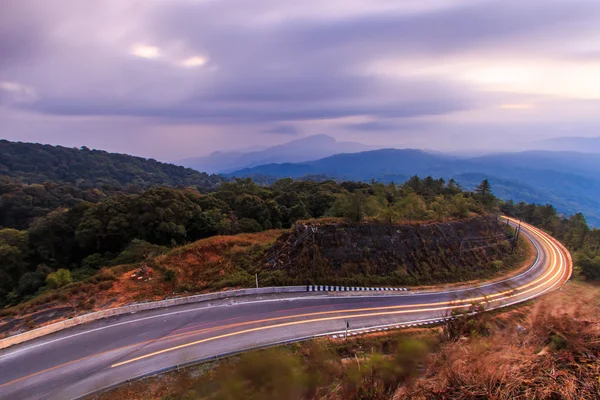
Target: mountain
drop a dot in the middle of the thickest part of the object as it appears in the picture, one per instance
(85, 168)
(579, 144)
(356, 166)
(569, 180)
(305, 149)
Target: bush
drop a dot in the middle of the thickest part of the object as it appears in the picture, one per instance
(59, 278)
(30, 283)
(466, 324)
(81, 274)
(170, 275)
(590, 267)
(93, 261)
(497, 265)
(138, 250)
(248, 225)
(106, 285)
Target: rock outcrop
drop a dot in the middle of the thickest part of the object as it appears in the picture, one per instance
(410, 253)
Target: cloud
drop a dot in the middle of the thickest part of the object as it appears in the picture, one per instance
(145, 51)
(14, 92)
(283, 130)
(516, 106)
(386, 126)
(272, 63)
(195, 61)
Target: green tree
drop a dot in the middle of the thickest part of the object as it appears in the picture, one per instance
(459, 206)
(58, 279)
(483, 193)
(590, 267)
(484, 189)
(354, 206)
(440, 207)
(13, 253)
(413, 207)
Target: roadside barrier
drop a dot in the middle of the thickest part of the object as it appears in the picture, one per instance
(133, 308)
(326, 288)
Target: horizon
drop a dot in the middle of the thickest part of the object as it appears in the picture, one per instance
(174, 80)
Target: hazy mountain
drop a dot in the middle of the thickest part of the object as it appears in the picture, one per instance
(570, 181)
(580, 144)
(305, 149)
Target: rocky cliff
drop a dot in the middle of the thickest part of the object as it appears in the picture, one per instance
(398, 254)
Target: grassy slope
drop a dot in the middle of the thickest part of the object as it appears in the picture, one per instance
(217, 263)
(548, 349)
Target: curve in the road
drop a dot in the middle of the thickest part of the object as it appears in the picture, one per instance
(88, 358)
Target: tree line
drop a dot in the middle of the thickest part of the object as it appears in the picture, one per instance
(56, 226)
(53, 226)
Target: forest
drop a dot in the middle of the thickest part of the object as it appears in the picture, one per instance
(86, 169)
(55, 233)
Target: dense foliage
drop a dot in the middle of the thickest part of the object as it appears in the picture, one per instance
(573, 231)
(86, 169)
(21, 203)
(52, 226)
(63, 227)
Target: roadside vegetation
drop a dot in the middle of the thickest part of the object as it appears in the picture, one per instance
(573, 231)
(547, 349)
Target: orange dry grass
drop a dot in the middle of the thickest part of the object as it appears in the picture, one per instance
(197, 266)
(556, 357)
(197, 263)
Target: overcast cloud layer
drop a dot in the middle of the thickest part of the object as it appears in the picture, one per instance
(177, 78)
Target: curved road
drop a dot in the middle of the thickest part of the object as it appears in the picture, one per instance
(81, 360)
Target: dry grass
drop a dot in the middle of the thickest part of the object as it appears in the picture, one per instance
(549, 350)
(213, 264)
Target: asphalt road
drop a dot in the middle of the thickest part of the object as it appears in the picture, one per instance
(81, 360)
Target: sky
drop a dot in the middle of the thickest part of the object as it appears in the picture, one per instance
(172, 79)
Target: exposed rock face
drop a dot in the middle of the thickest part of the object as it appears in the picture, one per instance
(426, 252)
(40, 317)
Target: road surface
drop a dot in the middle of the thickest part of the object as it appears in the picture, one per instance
(84, 359)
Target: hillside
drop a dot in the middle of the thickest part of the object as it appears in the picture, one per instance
(568, 180)
(91, 229)
(85, 168)
(405, 254)
(428, 254)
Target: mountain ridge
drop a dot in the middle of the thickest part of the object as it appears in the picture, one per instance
(304, 149)
(35, 163)
(567, 179)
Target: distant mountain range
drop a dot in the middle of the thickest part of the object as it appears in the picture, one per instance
(305, 149)
(568, 180)
(579, 144)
